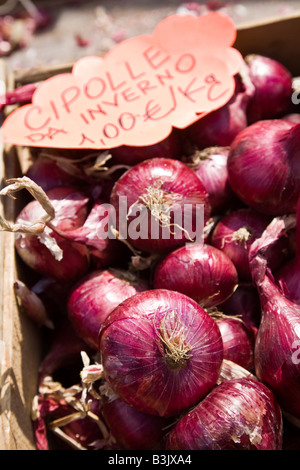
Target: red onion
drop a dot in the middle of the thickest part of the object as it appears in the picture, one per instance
(288, 275)
(131, 428)
(63, 351)
(210, 165)
(19, 95)
(96, 235)
(201, 272)
(220, 127)
(169, 147)
(48, 253)
(263, 166)
(238, 341)
(245, 304)
(32, 304)
(277, 343)
(95, 296)
(273, 85)
(234, 234)
(161, 352)
(48, 174)
(165, 195)
(239, 414)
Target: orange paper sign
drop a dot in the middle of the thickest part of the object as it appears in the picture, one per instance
(134, 95)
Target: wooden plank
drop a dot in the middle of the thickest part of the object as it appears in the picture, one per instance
(19, 339)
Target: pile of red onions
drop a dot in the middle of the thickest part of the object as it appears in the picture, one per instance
(156, 336)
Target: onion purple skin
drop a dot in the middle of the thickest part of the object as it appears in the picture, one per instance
(131, 428)
(94, 297)
(176, 181)
(272, 146)
(273, 85)
(238, 414)
(201, 271)
(138, 341)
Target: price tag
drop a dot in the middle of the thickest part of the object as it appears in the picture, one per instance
(137, 92)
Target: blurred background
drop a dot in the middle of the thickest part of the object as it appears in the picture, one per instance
(34, 33)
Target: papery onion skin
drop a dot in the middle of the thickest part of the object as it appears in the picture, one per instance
(238, 414)
(273, 88)
(95, 296)
(200, 271)
(166, 184)
(133, 429)
(263, 166)
(161, 352)
(238, 341)
(231, 370)
(277, 361)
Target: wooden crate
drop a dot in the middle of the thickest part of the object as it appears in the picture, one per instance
(20, 348)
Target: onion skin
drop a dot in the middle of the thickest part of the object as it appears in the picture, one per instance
(161, 352)
(201, 272)
(238, 414)
(272, 146)
(231, 370)
(273, 85)
(179, 186)
(95, 297)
